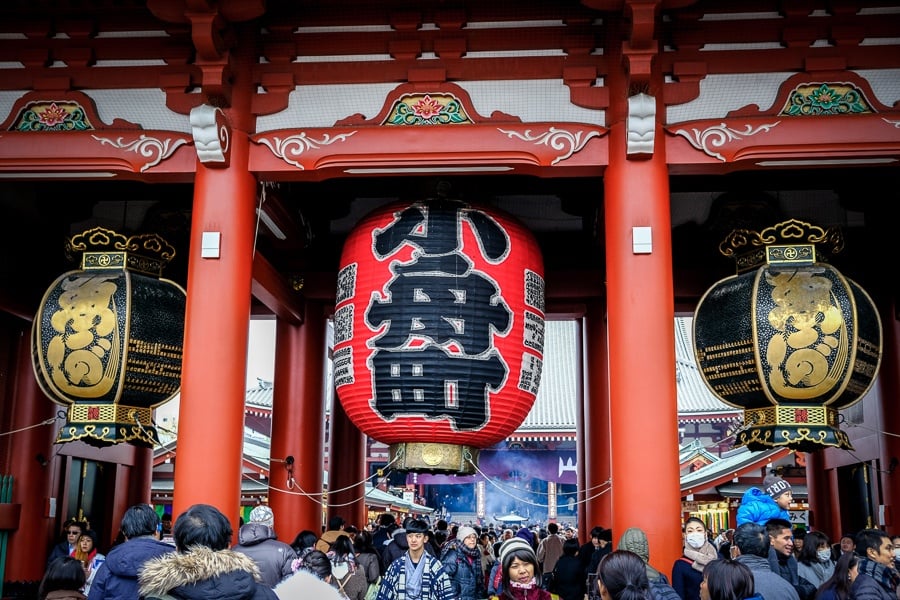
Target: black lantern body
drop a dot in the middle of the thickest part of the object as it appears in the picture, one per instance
(789, 339)
(107, 339)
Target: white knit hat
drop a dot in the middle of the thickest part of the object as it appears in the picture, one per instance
(464, 531)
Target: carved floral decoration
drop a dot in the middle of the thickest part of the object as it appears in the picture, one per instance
(427, 109)
(52, 116)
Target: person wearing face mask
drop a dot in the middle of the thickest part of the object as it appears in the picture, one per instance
(838, 585)
(687, 572)
(814, 564)
(895, 540)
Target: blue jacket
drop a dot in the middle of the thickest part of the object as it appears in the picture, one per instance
(866, 587)
(757, 507)
(495, 580)
(464, 573)
(661, 590)
(117, 578)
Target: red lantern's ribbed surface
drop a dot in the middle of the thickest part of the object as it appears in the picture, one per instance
(439, 324)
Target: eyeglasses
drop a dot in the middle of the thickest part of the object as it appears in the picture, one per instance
(73, 532)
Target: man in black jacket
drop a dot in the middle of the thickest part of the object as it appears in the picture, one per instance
(594, 549)
(781, 553)
(877, 579)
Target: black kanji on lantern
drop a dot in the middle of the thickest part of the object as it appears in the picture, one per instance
(436, 356)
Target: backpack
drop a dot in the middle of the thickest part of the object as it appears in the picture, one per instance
(372, 592)
(660, 589)
(340, 583)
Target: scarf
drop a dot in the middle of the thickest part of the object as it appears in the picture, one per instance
(701, 557)
(414, 575)
(524, 591)
(888, 578)
(472, 554)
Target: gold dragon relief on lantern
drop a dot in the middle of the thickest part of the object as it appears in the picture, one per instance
(809, 351)
(82, 355)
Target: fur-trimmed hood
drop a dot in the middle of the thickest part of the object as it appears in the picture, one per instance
(201, 573)
(304, 584)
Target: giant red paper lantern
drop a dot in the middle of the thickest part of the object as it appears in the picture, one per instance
(438, 330)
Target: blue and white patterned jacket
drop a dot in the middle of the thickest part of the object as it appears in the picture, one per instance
(435, 583)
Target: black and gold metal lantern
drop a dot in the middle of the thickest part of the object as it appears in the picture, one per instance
(789, 339)
(107, 339)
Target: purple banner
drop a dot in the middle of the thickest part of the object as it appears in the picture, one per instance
(512, 465)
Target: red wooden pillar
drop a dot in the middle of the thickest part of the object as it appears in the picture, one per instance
(585, 510)
(640, 308)
(298, 425)
(211, 413)
(595, 438)
(346, 469)
(140, 480)
(889, 383)
(821, 505)
(32, 471)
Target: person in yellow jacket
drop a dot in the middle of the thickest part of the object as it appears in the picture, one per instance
(336, 526)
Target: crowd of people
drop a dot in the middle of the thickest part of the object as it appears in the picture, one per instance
(197, 558)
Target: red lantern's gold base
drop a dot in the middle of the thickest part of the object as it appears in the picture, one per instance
(434, 458)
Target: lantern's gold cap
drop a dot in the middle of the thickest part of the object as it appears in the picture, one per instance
(791, 242)
(104, 249)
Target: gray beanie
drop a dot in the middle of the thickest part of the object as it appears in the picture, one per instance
(513, 544)
(635, 540)
(775, 486)
(262, 514)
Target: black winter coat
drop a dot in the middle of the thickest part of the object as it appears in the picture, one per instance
(569, 581)
(203, 574)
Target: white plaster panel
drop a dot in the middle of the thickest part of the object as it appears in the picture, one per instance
(532, 101)
(885, 84)
(146, 107)
(7, 100)
(322, 105)
(537, 100)
(721, 94)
